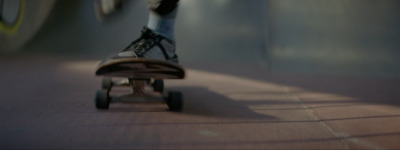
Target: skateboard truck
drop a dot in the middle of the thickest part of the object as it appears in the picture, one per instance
(137, 87)
(103, 98)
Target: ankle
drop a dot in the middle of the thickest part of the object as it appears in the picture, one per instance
(162, 25)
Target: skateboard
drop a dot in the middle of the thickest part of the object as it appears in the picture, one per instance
(145, 77)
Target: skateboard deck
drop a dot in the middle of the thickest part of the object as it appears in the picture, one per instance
(140, 68)
(139, 74)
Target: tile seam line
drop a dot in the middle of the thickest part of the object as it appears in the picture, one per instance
(311, 113)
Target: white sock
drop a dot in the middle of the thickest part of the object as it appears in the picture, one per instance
(163, 25)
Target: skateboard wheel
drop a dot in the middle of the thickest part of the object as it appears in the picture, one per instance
(102, 99)
(158, 86)
(106, 83)
(175, 101)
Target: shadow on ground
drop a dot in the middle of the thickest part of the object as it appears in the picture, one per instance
(379, 90)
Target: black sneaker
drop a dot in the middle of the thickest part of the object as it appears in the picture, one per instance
(150, 46)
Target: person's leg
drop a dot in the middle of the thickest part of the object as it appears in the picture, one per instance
(157, 39)
(162, 17)
(104, 8)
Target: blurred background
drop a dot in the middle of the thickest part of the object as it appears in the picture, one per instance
(337, 37)
(260, 74)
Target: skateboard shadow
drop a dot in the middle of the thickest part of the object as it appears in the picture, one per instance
(200, 101)
(363, 88)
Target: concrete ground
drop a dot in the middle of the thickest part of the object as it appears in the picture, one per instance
(49, 104)
(240, 97)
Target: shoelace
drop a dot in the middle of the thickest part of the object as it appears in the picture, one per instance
(144, 43)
